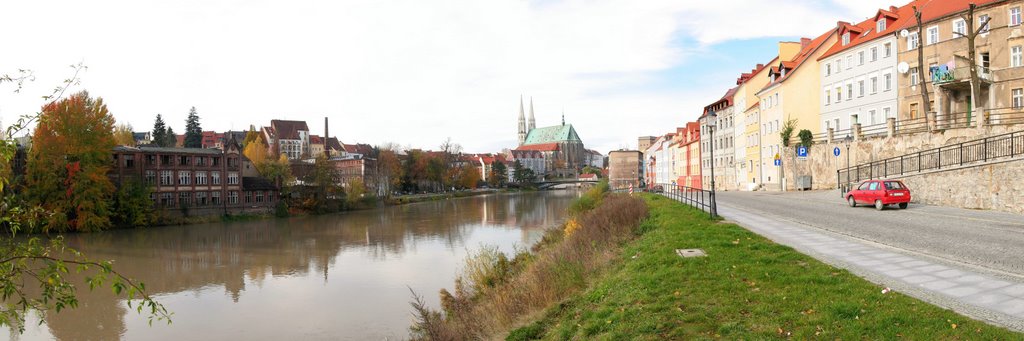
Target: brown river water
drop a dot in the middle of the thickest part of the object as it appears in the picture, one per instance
(330, 277)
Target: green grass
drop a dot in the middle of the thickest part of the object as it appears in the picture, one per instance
(747, 288)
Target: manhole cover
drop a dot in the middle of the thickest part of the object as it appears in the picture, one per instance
(687, 253)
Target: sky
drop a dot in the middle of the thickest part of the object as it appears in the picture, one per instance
(412, 72)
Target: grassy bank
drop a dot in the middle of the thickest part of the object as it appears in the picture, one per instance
(496, 292)
(747, 288)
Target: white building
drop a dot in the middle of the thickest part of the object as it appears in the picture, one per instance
(858, 74)
(723, 144)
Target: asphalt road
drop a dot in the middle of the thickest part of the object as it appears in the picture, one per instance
(987, 239)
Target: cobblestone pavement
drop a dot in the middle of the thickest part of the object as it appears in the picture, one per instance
(968, 261)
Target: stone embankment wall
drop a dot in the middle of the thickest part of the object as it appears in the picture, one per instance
(996, 186)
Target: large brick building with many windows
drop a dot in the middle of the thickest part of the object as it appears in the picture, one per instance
(195, 181)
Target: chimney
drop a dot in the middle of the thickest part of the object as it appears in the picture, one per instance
(759, 66)
(804, 42)
(892, 9)
(327, 135)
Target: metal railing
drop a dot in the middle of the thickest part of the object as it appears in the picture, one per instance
(912, 125)
(993, 148)
(701, 199)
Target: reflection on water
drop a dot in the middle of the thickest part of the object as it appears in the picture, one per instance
(344, 276)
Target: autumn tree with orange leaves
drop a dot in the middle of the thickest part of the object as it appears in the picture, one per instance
(67, 167)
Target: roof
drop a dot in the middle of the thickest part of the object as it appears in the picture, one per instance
(588, 176)
(559, 133)
(746, 76)
(865, 31)
(543, 147)
(727, 99)
(358, 148)
(253, 183)
(937, 9)
(288, 130)
(333, 143)
(805, 52)
(314, 139)
(207, 151)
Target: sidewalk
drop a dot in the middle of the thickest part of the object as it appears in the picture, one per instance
(980, 293)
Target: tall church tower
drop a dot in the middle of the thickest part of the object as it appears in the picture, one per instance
(522, 122)
(533, 122)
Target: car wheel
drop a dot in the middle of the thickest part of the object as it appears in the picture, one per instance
(853, 203)
(879, 205)
(903, 206)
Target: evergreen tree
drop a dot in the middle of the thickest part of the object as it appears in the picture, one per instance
(170, 139)
(159, 134)
(193, 132)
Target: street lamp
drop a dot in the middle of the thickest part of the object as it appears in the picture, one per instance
(847, 139)
(711, 129)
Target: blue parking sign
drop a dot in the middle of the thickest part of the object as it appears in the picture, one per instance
(801, 152)
(835, 151)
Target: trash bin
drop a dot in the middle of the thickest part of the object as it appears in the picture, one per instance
(803, 182)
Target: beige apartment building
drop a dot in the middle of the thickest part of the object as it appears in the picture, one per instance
(999, 62)
(624, 169)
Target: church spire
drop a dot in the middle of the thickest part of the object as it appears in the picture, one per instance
(563, 116)
(533, 122)
(522, 122)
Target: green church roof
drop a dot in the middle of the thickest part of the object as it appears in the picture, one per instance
(559, 133)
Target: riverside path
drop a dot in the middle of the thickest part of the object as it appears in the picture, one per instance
(968, 261)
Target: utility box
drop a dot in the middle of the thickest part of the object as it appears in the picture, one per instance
(803, 182)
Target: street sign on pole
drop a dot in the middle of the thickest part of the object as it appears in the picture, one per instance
(801, 152)
(835, 151)
(778, 162)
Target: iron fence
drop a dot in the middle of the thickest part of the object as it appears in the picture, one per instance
(997, 147)
(698, 198)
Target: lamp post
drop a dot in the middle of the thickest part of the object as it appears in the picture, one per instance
(847, 139)
(711, 129)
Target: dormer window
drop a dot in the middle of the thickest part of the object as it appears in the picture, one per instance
(846, 38)
(880, 25)
(772, 77)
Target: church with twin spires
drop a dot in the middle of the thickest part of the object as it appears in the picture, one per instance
(562, 148)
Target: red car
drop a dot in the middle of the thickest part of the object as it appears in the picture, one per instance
(879, 193)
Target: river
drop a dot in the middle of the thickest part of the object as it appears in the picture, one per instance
(332, 277)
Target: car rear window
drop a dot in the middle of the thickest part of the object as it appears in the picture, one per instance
(893, 185)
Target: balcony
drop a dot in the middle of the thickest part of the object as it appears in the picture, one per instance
(941, 75)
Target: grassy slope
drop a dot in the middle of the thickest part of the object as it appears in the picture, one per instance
(748, 288)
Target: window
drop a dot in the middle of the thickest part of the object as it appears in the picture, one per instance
(1014, 16)
(959, 28)
(215, 178)
(183, 160)
(913, 76)
(874, 84)
(215, 198)
(216, 161)
(184, 199)
(839, 94)
(129, 161)
(1018, 98)
(983, 23)
(232, 162)
(201, 199)
(864, 186)
(166, 178)
(873, 186)
(849, 62)
(150, 177)
(849, 92)
(150, 160)
(888, 81)
(860, 57)
(167, 199)
(828, 69)
(828, 97)
(776, 98)
(248, 197)
(880, 25)
(886, 112)
(933, 35)
(846, 38)
(200, 161)
(165, 160)
(871, 114)
(184, 177)
(201, 178)
(887, 49)
(874, 53)
(837, 124)
(860, 88)
(912, 41)
(839, 65)
(1015, 56)
(232, 178)
(233, 197)
(259, 196)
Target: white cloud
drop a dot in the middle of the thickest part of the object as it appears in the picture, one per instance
(408, 71)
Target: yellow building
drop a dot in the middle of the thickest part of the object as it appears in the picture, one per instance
(792, 93)
(746, 106)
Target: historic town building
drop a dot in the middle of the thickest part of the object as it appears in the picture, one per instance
(723, 143)
(563, 148)
(195, 181)
(290, 138)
